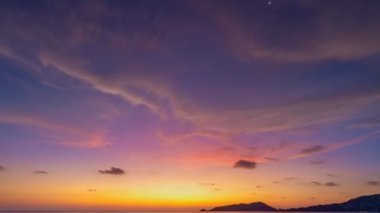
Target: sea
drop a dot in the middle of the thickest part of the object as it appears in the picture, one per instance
(151, 212)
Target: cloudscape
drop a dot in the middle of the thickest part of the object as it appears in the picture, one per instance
(183, 105)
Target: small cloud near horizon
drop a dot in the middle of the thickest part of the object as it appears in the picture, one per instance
(112, 171)
(331, 184)
(327, 184)
(40, 172)
(331, 175)
(290, 178)
(207, 184)
(316, 183)
(245, 164)
(2, 168)
(373, 183)
(91, 190)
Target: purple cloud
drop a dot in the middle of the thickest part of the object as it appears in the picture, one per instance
(331, 184)
(245, 164)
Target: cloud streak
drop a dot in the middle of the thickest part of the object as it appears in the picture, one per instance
(313, 149)
(59, 132)
(207, 184)
(317, 162)
(40, 172)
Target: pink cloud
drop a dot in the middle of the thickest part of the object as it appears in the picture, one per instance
(60, 133)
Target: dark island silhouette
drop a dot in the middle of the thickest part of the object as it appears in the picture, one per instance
(369, 203)
(257, 206)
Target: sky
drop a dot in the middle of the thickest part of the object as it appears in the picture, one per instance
(182, 105)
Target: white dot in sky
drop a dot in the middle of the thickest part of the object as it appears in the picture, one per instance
(269, 2)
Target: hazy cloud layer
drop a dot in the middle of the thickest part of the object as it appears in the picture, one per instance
(365, 123)
(329, 33)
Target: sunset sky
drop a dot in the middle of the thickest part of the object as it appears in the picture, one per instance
(182, 105)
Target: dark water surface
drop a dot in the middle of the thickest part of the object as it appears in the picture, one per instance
(147, 212)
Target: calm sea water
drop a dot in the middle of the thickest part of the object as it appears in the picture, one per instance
(144, 212)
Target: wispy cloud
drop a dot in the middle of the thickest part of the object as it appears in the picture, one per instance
(365, 123)
(112, 171)
(272, 159)
(317, 162)
(2, 168)
(290, 178)
(58, 132)
(40, 172)
(316, 183)
(248, 40)
(313, 149)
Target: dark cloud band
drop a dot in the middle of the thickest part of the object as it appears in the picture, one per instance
(245, 164)
(112, 171)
